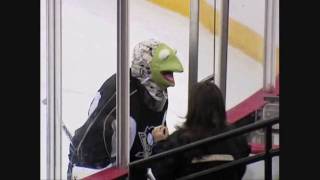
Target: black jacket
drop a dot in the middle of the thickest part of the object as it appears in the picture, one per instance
(181, 164)
(97, 136)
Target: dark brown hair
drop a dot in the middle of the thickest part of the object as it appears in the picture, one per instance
(206, 108)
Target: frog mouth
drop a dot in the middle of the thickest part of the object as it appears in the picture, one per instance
(168, 75)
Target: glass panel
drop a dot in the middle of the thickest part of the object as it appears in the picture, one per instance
(245, 50)
(43, 91)
(254, 171)
(89, 58)
(275, 168)
(277, 39)
(207, 41)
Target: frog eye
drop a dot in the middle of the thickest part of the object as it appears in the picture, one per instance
(164, 54)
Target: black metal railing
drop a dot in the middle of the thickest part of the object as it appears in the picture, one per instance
(266, 156)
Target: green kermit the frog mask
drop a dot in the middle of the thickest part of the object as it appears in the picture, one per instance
(163, 64)
(153, 65)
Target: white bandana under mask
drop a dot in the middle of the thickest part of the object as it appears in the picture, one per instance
(141, 70)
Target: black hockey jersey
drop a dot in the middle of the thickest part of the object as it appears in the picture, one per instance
(93, 144)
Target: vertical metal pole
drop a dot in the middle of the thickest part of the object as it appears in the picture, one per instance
(224, 47)
(123, 87)
(193, 42)
(54, 145)
(268, 160)
(214, 40)
(269, 46)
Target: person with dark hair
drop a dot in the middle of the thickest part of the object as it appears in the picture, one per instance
(206, 116)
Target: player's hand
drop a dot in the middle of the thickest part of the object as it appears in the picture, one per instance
(160, 133)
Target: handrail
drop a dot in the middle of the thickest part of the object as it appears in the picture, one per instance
(219, 137)
(266, 156)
